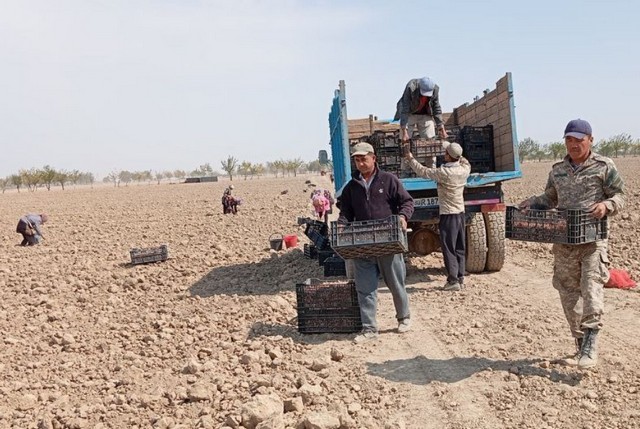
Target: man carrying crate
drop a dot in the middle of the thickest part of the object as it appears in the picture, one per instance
(582, 180)
(451, 178)
(375, 194)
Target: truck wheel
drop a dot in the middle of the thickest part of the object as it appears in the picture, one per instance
(476, 244)
(495, 224)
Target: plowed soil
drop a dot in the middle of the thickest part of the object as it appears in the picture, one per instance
(88, 340)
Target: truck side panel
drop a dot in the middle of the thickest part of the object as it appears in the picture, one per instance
(339, 132)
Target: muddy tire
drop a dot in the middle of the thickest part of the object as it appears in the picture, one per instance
(476, 244)
(496, 242)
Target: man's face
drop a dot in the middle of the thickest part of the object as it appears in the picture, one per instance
(578, 149)
(365, 164)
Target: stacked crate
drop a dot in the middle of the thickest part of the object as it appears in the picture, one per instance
(477, 146)
(327, 307)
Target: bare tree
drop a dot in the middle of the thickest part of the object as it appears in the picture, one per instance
(47, 176)
(245, 169)
(114, 177)
(16, 180)
(62, 177)
(4, 183)
(229, 166)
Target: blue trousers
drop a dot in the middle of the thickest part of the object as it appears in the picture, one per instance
(394, 273)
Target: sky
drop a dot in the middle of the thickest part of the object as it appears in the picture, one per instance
(109, 85)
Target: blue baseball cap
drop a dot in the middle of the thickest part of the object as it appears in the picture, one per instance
(426, 86)
(578, 128)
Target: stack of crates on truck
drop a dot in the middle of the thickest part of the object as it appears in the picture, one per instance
(485, 128)
(327, 307)
(568, 226)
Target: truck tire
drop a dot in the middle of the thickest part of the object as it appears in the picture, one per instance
(496, 242)
(476, 244)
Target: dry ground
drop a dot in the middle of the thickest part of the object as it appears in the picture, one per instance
(88, 341)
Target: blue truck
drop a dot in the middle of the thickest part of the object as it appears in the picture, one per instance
(493, 112)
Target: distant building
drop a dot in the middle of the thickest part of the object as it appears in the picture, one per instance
(201, 179)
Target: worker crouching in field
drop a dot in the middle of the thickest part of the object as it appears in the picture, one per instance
(29, 226)
(229, 202)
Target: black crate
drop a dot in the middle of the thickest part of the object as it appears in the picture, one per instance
(318, 233)
(324, 254)
(369, 238)
(327, 307)
(482, 166)
(310, 251)
(570, 226)
(477, 134)
(334, 266)
(384, 139)
(149, 254)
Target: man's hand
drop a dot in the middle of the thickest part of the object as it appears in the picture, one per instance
(598, 210)
(524, 205)
(442, 132)
(404, 135)
(406, 150)
(403, 223)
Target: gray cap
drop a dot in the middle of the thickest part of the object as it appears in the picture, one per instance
(453, 149)
(362, 148)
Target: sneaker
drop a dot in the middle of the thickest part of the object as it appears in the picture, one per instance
(365, 336)
(452, 286)
(588, 352)
(404, 325)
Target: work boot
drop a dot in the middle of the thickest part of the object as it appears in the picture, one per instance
(573, 359)
(589, 351)
(452, 286)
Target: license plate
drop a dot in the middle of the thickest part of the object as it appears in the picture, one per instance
(425, 202)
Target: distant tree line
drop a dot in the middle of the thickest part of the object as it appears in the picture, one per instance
(45, 177)
(616, 146)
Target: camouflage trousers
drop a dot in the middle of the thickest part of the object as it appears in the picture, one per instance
(579, 274)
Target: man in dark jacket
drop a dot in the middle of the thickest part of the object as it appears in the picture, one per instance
(419, 107)
(376, 194)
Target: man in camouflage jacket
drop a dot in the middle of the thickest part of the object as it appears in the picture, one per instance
(582, 180)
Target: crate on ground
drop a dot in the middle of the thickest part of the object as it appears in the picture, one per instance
(318, 233)
(149, 254)
(327, 307)
(310, 251)
(323, 254)
(368, 238)
(569, 226)
(334, 266)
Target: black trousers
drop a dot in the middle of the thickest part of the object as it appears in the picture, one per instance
(453, 243)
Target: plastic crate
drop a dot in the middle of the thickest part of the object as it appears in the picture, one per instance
(477, 134)
(149, 254)
(323, 255)
(318, 233)
(369, 238)
(334, 266)
(426, 148)
(310, 251)
(327, 307)
(570, 226)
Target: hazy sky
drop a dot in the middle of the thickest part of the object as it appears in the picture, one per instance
(125, 84)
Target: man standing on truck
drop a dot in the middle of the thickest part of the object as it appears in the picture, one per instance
(375, 194)
(582, 180)
(419, 107)
(451, 178)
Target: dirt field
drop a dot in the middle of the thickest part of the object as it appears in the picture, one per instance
(208, 339)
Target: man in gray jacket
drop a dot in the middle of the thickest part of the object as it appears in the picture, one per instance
(419, 107)
(451, 178)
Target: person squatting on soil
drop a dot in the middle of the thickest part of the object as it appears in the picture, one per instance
(29, 226)
(419, 107)
(451, 178)
(229, 202)
(322, 202)
(375, 194)
(582, 180)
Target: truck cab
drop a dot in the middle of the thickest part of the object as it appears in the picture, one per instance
(486, 128)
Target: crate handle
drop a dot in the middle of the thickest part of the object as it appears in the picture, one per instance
(276, 233)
